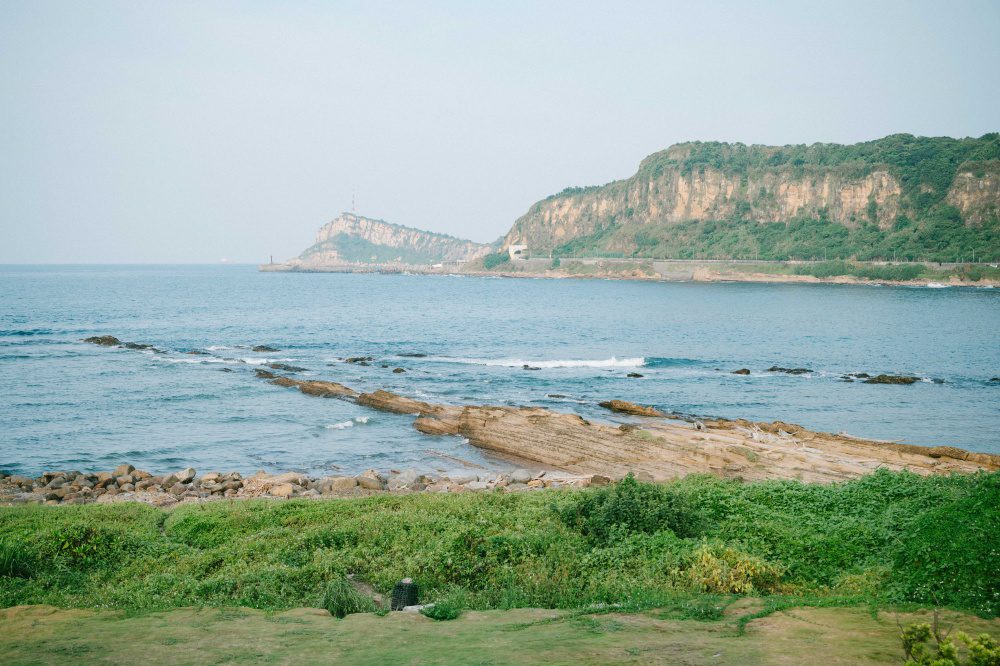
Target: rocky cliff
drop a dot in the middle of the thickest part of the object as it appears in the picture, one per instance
(355, 240)
(683, 201)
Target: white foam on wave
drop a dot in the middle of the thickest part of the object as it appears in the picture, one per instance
(197, 359)
(262, 361)
(612, 362)
(360, 420)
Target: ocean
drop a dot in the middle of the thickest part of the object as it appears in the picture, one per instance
(461, 340)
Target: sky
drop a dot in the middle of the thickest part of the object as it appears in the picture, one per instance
(196, 132)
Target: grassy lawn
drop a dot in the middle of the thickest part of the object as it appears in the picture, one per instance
(40, 634)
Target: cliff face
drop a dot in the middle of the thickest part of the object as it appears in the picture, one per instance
(353, 239)
(976, 192)
(849, 186)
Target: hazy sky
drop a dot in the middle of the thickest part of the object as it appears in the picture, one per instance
(177, 131)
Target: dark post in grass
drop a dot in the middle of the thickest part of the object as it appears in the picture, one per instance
(404, 593)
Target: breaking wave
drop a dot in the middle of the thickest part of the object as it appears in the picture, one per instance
(612, 362)
(360, 420)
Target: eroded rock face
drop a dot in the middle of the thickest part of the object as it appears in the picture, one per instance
(394, 244)
(625, 407)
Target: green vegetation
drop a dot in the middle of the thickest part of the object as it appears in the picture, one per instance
(887, 538)
(825, 269)
(495, 259)
(925, 166)
(920, 650)
(941, 236)
(926, 227)
(341, 599)
(448, 607)
(39, 635)
(360, 250)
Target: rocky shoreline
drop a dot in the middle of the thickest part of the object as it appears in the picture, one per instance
(127, 484)
(565, 450)
(700, 274)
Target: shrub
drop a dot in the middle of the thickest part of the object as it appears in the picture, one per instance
(919, 650)
(705, 608)
(341, 599)
(725, 570)
(493, 260)
(628, 507)
(15, 562)
(950, 553)
(447, 608)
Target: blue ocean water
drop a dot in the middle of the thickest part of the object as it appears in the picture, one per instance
(67, 404)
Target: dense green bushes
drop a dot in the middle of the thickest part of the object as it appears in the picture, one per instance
(885, 538)
(608, 514)
(940, 236)
(491, 261)
(925, 166)
(826, 269)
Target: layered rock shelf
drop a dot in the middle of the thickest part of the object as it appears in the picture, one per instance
(657, 445)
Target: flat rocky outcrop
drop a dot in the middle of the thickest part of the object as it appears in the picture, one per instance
(665, 449)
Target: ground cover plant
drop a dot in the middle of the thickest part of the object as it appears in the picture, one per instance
(888, 538)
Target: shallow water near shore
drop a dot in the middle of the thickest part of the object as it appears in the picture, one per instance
(67, 404)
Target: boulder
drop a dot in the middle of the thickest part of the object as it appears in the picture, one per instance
(122, 470)
(477, 485)
(407, 479)
(19, 480)
(285, 367)
(521, 476)
(462, 477)
(336, 483)
(285, 490)
(398, 370)
(624, 407)
(211, 477)
(186, 475)
(264, 348)
(741, 371)
(634, 375)
(370, 480)
(892, 379)
(136, 345)
(599, 480)
(358, 359)
(789, 371)
(103, 340)
(296, 478)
